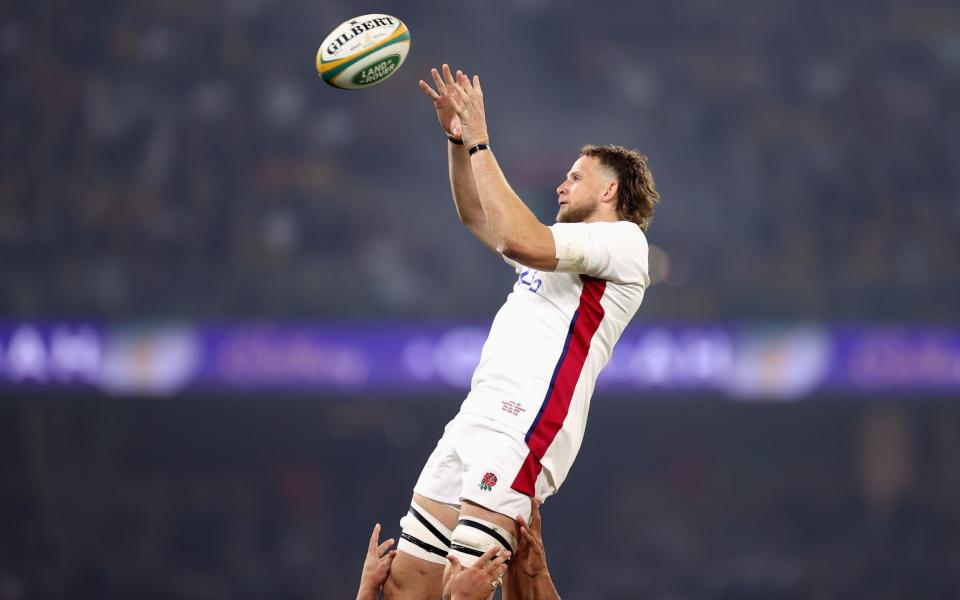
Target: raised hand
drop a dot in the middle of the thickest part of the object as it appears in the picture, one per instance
(376, 565)
(479, 581)
(531, 557)
(468, 102)
(442, 99)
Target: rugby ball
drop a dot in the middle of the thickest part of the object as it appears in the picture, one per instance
(363, 51)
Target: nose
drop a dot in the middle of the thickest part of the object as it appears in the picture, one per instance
(561, 188)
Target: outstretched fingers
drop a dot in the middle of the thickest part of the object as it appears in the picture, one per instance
(464, 82)
(388, 558)
(438, 81)
(382, 548)
(448, 76)
(375, 548)
(493, 566)
(429, 91)
(532, 540)
(460, 98)
(488, 556)
(455, 565)
(374, 539)
(535, 518)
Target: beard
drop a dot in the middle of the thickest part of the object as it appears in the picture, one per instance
(577, 214)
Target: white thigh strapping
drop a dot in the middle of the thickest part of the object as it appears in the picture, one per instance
(424, 536)
(474, 536)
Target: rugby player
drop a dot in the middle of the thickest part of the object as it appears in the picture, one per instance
(579, 282)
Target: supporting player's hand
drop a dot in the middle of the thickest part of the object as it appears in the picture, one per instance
(468, 102)
(446, 113)
(531, 558)
(376, 565)
(480, 581)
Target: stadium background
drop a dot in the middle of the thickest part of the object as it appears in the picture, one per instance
(175, 175)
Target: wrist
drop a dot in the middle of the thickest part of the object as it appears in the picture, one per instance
(470, 140)
(471, 136)
(367, 588)
(365, 594)
(458, 141)
(478, 147)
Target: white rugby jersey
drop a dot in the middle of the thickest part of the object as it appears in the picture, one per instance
(550, 340)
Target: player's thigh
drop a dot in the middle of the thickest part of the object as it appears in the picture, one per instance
(493, 457)
(412, 577)
(480, 529)
(471, 509)
(441, 511)
(417, 570)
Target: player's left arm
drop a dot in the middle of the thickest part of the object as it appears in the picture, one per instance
(518, 233)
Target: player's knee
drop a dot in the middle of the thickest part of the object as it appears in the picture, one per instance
(423, 535)
(473, 536)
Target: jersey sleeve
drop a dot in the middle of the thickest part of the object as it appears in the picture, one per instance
(614, 252)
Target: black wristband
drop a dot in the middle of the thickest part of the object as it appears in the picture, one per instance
(454, 140)
(477, 148)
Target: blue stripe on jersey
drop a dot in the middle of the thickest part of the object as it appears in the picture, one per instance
(553, 379)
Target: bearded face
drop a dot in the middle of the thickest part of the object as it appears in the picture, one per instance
(577, 211)
(579, 194)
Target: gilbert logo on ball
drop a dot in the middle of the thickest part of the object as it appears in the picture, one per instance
(363, 51)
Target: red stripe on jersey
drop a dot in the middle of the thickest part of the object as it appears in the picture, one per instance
(556, 404)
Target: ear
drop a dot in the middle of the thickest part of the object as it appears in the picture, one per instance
(610, 191)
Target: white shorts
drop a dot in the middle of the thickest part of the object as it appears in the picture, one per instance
(477, 459)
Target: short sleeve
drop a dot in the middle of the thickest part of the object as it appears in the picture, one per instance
(614, 252)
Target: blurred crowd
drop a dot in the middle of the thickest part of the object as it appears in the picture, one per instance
(182, 159)
(174, 159)
(717, 502)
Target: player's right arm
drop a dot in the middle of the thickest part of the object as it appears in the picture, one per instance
(462, 184)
